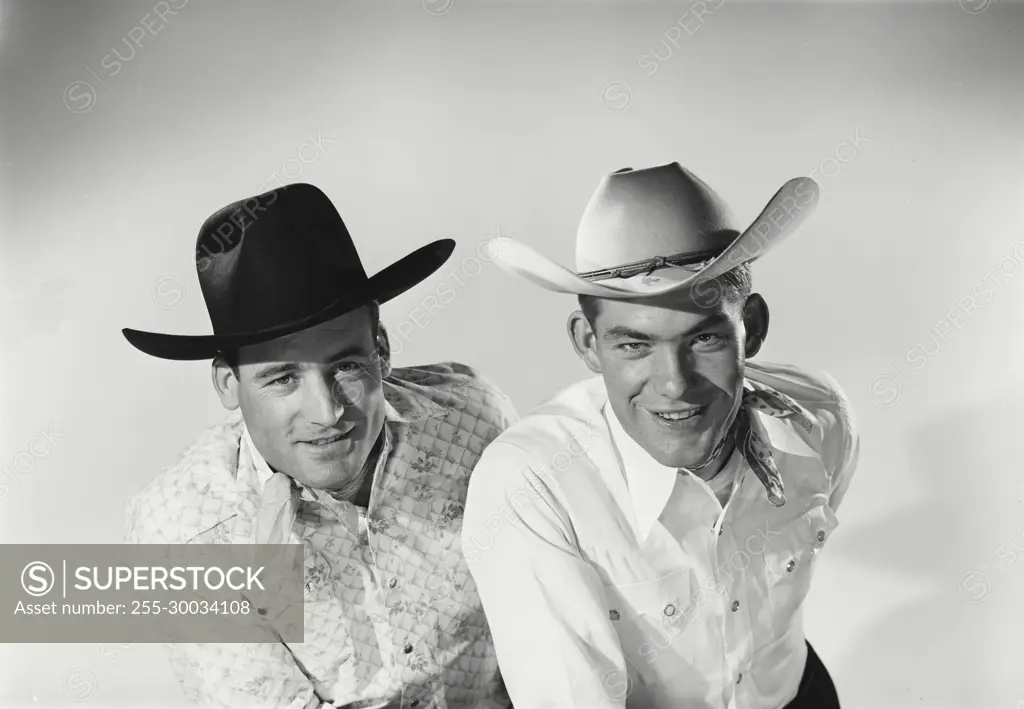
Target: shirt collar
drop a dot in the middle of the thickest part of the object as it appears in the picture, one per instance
(650, 483)
(263, 471)
(406, 402)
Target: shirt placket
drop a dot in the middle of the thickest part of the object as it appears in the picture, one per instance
(722, 587)
(381, 590)
(729, 565)
(400, 655)
(377, 602)
(396, 656)
(739, 630)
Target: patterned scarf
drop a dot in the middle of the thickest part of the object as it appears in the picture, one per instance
(752, 439)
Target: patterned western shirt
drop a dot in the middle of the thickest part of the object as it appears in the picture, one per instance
(391, 611)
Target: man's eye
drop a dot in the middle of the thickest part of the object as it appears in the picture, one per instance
(285, 380)
(632, 347)
(349, 368)
(709, 338)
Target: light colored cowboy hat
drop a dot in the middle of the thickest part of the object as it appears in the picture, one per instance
(656, 230)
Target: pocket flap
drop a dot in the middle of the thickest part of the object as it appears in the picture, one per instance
(801, 540)
(666, 597)
(820, 522)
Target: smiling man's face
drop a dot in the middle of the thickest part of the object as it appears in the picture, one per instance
(312, 402)
(673, 369)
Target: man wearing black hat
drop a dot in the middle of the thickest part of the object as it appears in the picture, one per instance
(328, 446)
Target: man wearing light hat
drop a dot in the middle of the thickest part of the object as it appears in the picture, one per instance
(646, 538)
(329, 447)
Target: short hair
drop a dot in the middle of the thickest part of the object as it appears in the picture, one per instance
(735, 285)
(230, 356)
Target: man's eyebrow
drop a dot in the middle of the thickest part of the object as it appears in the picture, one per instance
(275, 370)
(280, 368)
(709, 321)
(623, 332)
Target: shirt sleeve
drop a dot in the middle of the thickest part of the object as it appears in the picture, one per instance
(544, 603)
(847, 447)
(230, 675)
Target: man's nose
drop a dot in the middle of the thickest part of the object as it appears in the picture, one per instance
(323, 401)
(672, 375)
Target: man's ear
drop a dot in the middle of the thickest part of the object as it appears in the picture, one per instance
(225, 382)
(584, 340)
(755, 322)
(383, 350)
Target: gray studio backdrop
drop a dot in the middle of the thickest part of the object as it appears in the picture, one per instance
(125, 124)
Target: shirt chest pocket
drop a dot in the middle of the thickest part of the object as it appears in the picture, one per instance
(790, 559)
(655, 621)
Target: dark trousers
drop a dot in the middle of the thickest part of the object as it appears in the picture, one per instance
(816, 688)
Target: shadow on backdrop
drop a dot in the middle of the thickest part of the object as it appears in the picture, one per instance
(959, 540)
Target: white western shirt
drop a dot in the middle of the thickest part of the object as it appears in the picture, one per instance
(610, 581)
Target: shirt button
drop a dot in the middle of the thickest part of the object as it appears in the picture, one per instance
(821, 536)
(407, 649)
(735, 606)
(739, 678)
(613, 614)
(414, 703)
(790, 565)
(392, 583)
(670, 609)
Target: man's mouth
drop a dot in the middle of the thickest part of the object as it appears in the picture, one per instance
(327, 440)
(678, 414)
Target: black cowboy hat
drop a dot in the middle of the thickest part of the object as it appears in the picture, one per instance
(278, 263)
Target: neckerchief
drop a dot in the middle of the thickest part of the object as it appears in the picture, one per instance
(752, 439)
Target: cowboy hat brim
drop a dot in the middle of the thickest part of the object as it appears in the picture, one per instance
(783, 214)
(389, 283)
